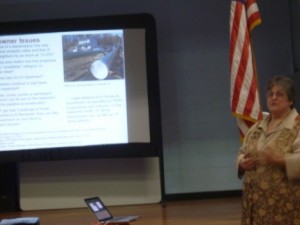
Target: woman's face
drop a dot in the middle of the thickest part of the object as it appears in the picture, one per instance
(277, 101)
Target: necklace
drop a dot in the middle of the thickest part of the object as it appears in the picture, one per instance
(275, 122)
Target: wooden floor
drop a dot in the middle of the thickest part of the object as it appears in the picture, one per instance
(223, 211)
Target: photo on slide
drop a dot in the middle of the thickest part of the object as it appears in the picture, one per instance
(98, 56)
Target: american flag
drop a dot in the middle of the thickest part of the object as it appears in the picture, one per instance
(245, 100)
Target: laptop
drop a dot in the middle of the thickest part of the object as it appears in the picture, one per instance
(102, 213)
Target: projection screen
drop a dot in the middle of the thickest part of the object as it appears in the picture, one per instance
(79, 88)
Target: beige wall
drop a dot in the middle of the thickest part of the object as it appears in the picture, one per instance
(64, 184)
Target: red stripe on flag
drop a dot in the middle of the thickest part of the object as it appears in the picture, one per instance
(254, 20)
(235, 28)
(250, 98)
(249, 2)
(253, 17)
(241, 73)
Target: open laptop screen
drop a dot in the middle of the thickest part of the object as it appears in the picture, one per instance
(98, 208)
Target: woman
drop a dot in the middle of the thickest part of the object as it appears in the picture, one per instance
(269, 161)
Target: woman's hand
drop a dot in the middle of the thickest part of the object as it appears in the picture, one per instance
(248, 162)
(268, 157)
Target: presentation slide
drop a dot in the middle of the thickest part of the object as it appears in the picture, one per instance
(71, 89)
